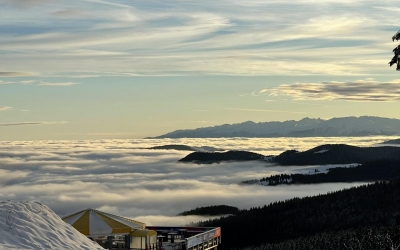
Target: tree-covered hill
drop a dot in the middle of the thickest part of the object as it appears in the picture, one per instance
(210, 157)
(174, 147)
(352, 209)
(364, 238)
(337, 154)
(212, 210)
(187, 148)
(321, 155)
(395, 141)
(371, 171)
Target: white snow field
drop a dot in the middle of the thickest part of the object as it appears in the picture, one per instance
(31, 225)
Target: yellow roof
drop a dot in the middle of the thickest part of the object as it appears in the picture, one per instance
(92, 222)
(143, 233)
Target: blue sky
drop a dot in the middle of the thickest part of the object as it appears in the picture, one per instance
(93, 69)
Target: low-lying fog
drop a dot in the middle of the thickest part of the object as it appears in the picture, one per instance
(125, 178)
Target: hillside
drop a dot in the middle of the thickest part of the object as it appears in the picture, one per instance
(307, 127)
(211, 210)
(31, 225)
(370, 171)
(186, 148)
(174, 147)
(396, 141)
(211, 157)
(320, 155)
(338, 154)
(375, 205)
(363, 238)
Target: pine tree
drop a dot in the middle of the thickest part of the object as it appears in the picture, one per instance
(396, 52)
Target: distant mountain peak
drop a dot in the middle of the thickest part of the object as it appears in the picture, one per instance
(306, 127)
(305, 119)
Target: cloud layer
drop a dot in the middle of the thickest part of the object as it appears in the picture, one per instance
(125, 178)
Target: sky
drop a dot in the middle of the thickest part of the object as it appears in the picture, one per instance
(125, 178)
(94, 69)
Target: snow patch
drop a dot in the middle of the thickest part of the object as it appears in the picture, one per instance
(31, 225)
(268, 158)
(321, 151)
(263, 183)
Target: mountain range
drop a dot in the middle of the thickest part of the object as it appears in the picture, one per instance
(307, 127)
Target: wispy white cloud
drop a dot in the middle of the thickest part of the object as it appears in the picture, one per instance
(17, 74)
(25, 82)
(57, 84)
(40, 83)
(360, 90)
(25, 3)
(264, 110)
(109, 3)
(105, 133)
(4, 108)
(33, 123)
(195, 121)
(67, 13)
(291, 102)
(202, 38)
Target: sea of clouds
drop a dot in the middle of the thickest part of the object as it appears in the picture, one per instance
(126, 178)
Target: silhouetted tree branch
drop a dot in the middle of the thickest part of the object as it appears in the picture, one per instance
(396, 52)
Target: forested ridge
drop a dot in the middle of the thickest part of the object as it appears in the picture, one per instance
(212, 210)
(210, 157)
(395, 141)
(174, 147)
(364, 238)
(337, 154)
(320, 155)
(371, 171)
(345, 212)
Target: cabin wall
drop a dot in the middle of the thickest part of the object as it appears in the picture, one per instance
(153, 239)
(135, 242)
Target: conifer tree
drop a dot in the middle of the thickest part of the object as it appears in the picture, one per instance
(396, 51)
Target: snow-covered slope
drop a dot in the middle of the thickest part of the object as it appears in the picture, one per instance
(307, 127)
(31, 225)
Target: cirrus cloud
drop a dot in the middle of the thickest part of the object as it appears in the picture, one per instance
(24, 3)
(360, 90)
(16, 74)
(202, 38)
(67, 13)
(5, 108)
(57, 84)
(31, 123)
